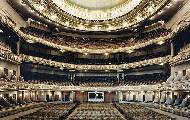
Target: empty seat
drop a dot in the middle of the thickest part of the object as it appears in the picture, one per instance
(178, 101)
(170, 101)
(184, 103)
(5, 103)
(162, 100)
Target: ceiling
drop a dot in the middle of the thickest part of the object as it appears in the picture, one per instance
(93, 4)
(82, 27)
(97, 9)
(96, 15)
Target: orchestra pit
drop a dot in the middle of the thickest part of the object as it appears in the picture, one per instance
(94, 60)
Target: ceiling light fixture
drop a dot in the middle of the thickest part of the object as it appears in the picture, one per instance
(106, 54)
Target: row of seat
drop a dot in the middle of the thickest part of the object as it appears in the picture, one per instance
(179, 105)
(147, 79)
(139, 112)
(10, 106)
(184, 49)
(96, 111)
(12, 78)
(5, 46)
(140, 82)
(12, 102)
(178, 78)
(52, 111)
(95, 43)
(52, 82)
(97, 84)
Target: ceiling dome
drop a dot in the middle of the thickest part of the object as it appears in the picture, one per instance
(96, 4)
(97, 9)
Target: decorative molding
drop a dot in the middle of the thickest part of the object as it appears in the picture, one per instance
(124, 18)
(29, 86)
(154, 61)
(4, 19)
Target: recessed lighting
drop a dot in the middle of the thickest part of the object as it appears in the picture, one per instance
(82, 26)
(151, 9)
(40, 8)
(125, 24)
(62, 50)
(32, 11)
(138, 18)
(54, 17)
(169, 5)
(130, 51)
(160, 42)
(106, 54)
(96, 27)
(85, 53)
(61, 68)
(67, 23)
(22, 3)
(30, 41)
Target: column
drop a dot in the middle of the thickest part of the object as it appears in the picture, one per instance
(71, 76)
(156, 98)
(172, 49)
(120, 75)
(120, 95)
(72, 94)
(141, 96)
(18, 47)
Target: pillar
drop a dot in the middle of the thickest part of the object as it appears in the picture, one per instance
(172, 49)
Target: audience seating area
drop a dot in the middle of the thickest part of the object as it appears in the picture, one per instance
(53, 111)
(95, 43)
(52, 82)
(178, 78)
(130, 63)
(149, 79)
(94, 81)
(4, 46)
(12, 78)
(97, 84)
(184, 49)
(96, 111)
(138, 112)
(9, 107)
(176, 105)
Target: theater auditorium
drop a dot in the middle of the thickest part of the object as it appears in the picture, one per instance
(94, 59)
